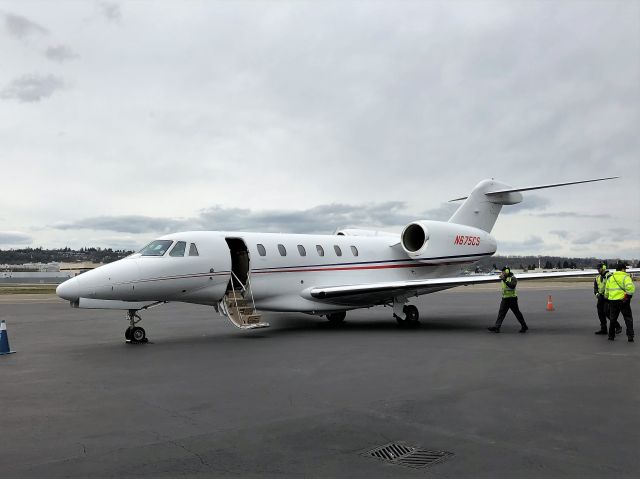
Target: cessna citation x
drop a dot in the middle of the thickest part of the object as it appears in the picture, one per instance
(241, 274)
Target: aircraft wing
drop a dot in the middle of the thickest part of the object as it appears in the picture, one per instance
(357, 294)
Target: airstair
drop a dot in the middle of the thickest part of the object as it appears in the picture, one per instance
(238, 305)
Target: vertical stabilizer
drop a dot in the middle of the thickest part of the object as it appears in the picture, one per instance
(480, 210)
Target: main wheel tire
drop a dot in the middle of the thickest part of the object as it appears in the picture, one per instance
(127, 334)
(411, 314)
(337, 317)
(138, 334)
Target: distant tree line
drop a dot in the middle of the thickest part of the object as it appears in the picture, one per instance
(546, 262)
(62, 255)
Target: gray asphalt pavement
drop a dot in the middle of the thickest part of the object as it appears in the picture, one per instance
(305, 398)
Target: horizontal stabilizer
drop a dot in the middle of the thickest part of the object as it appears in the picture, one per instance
(539, 187)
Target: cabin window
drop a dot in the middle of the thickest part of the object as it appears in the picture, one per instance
(193, 250)
(354, 250)
(282, 249)
(156, 248)
(338, 250)
(261, 250)
(179, 249)
(301, 250)
(320, 250)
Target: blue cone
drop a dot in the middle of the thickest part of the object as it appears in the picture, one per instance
(4, 339)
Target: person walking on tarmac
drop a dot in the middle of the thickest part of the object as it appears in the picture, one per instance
(618, 291)
(509, 301)
(602, 305)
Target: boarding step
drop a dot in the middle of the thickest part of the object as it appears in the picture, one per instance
(241, 312)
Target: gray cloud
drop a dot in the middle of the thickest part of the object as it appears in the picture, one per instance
(32, 88)
(572, 214)
(59, 53)
(442, 212)
(531, 244)
(127, 224)
(621, 231)
(589, 237)
(319, 219)
(14, 237)
(111, 11)
(21, 27)
(530, 202)
(564, 234)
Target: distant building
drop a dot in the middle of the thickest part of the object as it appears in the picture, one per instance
(52, 267)
(78, 268)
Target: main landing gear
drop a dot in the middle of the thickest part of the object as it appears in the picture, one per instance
(135, 334)
(336, 318)
(406, 314)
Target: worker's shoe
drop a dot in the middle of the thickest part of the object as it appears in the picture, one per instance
(611, 338)
(602, 331)
(630, 339)
(494, 329)
(524, 329)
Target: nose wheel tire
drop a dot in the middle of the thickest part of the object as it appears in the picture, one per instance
(127, 334)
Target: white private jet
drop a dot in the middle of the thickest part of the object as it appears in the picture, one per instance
(241, 274)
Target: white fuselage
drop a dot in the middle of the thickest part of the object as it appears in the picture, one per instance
(279, 282)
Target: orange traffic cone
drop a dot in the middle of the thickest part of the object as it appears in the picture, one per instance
(550, 304)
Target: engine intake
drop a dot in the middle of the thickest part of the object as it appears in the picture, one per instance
(414, 238)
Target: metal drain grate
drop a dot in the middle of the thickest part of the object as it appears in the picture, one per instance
(399, 453)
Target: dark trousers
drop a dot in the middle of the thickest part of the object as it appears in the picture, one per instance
(615, 308)
(509, 304)
(603, 312)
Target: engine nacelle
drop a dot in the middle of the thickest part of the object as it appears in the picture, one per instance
(439, 242)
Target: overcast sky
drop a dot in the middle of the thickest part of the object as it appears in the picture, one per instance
(121, 121)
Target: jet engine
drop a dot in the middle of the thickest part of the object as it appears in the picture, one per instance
(437, 241)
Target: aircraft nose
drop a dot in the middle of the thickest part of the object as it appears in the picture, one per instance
(69, 290)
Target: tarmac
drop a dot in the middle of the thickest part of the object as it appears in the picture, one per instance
(305, 398)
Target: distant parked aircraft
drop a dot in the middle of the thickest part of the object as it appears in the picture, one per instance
(241, 274)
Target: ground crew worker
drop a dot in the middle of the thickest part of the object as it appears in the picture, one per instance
(509, 301)
(618, 290)
(602, 305)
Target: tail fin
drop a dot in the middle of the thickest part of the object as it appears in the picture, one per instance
(482, 207)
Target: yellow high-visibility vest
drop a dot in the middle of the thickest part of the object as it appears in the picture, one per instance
(600, 281)
(508, 292)
(619, 284)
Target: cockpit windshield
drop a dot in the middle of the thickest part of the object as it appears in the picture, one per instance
(156, 248)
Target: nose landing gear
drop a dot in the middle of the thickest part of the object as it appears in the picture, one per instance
(135, 334)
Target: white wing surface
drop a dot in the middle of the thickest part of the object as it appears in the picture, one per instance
(357, 294)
